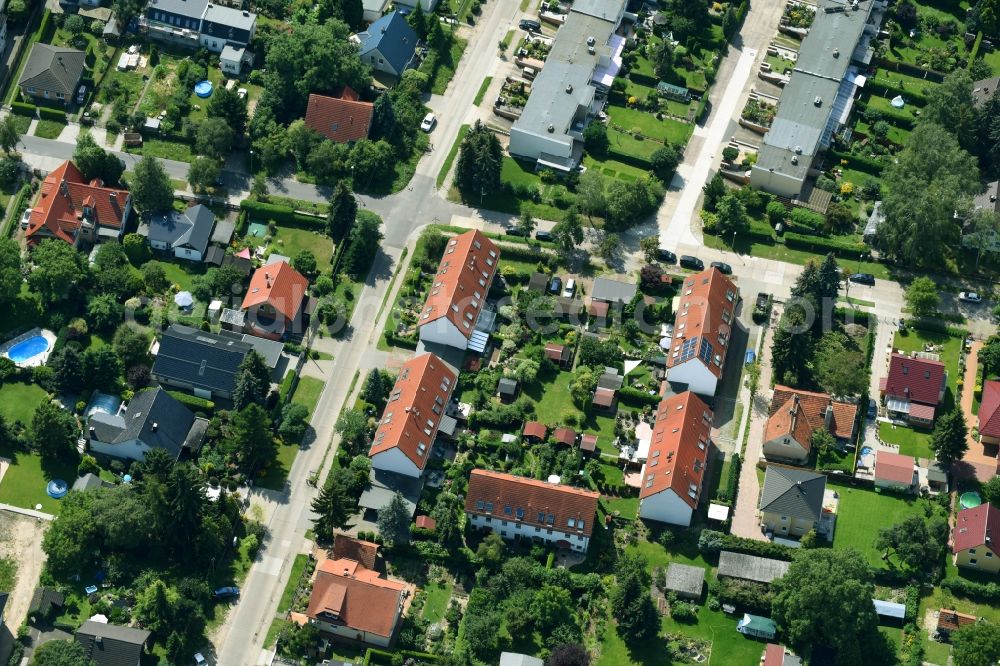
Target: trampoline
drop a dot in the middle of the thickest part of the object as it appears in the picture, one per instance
(203, 89)
(56, 488)
(970, 500)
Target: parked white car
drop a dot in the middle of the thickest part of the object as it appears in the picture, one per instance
(25, 218)
(970, 297)
(428, 122)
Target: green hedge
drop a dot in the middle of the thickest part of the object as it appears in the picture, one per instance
(839, 247)
(633, 397)
(975, 48)
(643, 80)
(45, 28)
(23, 195)
(47, 113)
(890, 89)
(394, 340)
(732, 481)
(193, 402)
(631, 160)
(23, 109)
(376, 656)
(989, 592)
(858, 163)
(282, 215)
(736, 544)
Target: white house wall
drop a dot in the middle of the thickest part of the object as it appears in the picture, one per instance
(187, 253)
(353, 634)
(396, 461)
(697, 377)
(508, 529)
(786, 448)
(444, 332)
(528, 144)
(131, 450)
(666, 507)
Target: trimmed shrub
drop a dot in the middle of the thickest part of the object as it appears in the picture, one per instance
(838, 246)
(633, 397)
(23, 109)
(48, 113)
(193, 402)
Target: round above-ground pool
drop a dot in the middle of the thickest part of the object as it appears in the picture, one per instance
(28, 349)
(970, 500)
(57, 488)
(203, 88)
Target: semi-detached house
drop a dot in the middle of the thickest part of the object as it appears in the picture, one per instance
(515, 506)
(199, 24)
(675, 468)
(412, 416)
(458, 294)
(703, 326)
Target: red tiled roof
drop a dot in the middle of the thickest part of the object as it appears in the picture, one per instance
(918, 411)
(411, 418)
(989, 410)
(64, 195)
(534, 497)
(891, 466)
(798, 414)
(565, 436)
(705, 314)
(950, 620)
(915, 379)
(278, 285)
(344, 592)
(678, 450)
(535, 429)
(554, 352)
(588, 442)
(346, 547)
(426, 522)
(598, 308)
(341, 117)
(976, 527)
(604, 397)
(462, 281)
(774, 655)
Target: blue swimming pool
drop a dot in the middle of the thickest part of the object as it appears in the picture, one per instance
(103, 402)
(28, 349)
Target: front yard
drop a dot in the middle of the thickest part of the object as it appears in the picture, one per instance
(862, 513)
(911, 442)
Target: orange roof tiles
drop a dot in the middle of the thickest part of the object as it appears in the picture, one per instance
(703, 323)
(891, 466)
(346, 547)
(463, 279)
(976, 527)
(678, 450)
(278, 285)
(346, 593)
(555, 352)
(604, 397)
(989, 410)
(588, 442)
(341, 117)
(535, 429)
(425, 522)
(798, 414)
(951, 620)
(413, 413)
(565, 436)
(64, 196)
(502, 495)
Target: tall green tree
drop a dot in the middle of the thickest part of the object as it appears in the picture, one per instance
(714, 190)
(929, 180)
(362, 246)
(818, 580)
(829, 278)
(479, 160)
(95, 162)
(131, 343)
(250, 437)
(976, 644)
(385, 123)
(68, 368)
(151, 188)
(352, 426)
(61, 653)
(839, 365)
(53, 430)
(950, 106)
(57, 269)
(9, 135)
(791, 348)
(253, 380)
(102, 367)
(343, 212)
(631, 603)
(185, 504)
(11, 276)
(333, 509)
(732, 215)
(989, 356)
(203, 174)
(922, 296)
(394, 521)
(917, 542)
(949, 440)
(591, 193)
(214, 137)
(230, 107)
(154, 608)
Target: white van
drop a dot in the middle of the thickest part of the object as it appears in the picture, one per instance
(569, 291)
(529, 73)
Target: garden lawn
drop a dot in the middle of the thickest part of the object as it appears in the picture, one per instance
(862, 513)
(18, 401)
(728, 645)
(166, 150)
(667, 129)
(288, 596)
(934, 652)
(307, 392)
(276, 474)
(183, 273)
(438, 595)
(779, 252)
(24, 483)
(911, 442)
(440, 66)
(289, 241)
(49, 129)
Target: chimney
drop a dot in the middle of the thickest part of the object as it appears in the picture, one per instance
(64, 188)
(153, 427)
(98, 639)
(92, 430)
(828, 417)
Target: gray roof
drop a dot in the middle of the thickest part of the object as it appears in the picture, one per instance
(204, 360)
(936, 474)
(44, 598)
(382, 485)
(609, 11)
(607, 289)
(538, 281)
(223, 233)
(230, 17)
(88, 481)
(233, 317)
(154, 418)
(889, 609)
(563, 86)
(269, 349)
(191, 228)
(518, 659)
(751, 567)
(824, 57)
(214, 255)
(111, 644)
(232, 54)
(189, 8)
(874, 220)
(685, 579)
(52, 68)
(3, 602)
(793, 492)
(507, 386)
(610, 379)
(391, 36)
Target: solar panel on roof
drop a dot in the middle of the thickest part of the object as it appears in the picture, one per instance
(687, 351)
(705, 353)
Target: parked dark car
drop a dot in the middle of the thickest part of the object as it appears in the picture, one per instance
(694, 263)
(723, 267)
(863, 278)
(666, 256)
(555, 285)
(530, 25)
(226, 593)
(872, 408)
(543, 235)
(514, 231)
